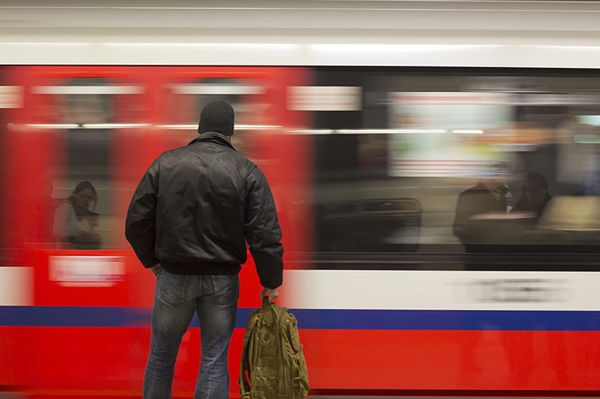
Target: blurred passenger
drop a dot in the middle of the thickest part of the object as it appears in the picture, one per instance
(535, 196)
(590, 184)
(75, 221)
(486, 198)
(212, 200)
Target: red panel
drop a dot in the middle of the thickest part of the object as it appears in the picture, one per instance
(87, 358)
(453, 360)
(29, 154)
(290, 175)
(15, 355)
(112, 359)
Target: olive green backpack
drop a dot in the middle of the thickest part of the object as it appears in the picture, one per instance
(273, 364)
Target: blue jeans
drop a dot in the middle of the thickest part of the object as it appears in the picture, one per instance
(176, 298)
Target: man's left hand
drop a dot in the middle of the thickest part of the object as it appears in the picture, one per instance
(155, 269)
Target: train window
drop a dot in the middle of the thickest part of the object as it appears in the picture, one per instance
(87, 110)
(458, 161)
(189, 97)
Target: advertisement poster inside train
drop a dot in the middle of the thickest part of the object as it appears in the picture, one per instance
(447, 133)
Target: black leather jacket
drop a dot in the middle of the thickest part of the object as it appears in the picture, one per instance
(196, 206)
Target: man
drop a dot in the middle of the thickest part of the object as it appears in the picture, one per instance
(485, 198)
(535, 195)
(188, 222)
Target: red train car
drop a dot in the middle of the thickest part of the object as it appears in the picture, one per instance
(83, 326)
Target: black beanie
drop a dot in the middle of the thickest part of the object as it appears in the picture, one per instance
(217, 116)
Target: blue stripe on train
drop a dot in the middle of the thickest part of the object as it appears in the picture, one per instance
(76, 316)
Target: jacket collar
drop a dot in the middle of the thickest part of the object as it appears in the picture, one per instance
(213, 137)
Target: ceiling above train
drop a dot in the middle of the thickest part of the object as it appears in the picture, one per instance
(284, 32)
(303, 15)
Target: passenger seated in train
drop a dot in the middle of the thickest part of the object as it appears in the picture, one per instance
(535, 195)
(471, 225)
(75, 222)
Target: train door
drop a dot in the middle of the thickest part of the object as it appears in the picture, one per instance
(66, 219)
(259, 98)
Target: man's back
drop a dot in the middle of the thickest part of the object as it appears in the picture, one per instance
(201, 205)
(191, 215)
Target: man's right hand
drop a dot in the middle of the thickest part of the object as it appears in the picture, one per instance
(272, 293)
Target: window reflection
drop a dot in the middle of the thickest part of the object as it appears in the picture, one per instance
(496, 163)
(75, 223)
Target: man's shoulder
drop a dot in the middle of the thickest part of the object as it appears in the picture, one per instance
(172, 152)
(251, 165)
(180, 153)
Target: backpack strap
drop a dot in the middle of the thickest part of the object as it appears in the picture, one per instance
(245, 363)
(283, 370)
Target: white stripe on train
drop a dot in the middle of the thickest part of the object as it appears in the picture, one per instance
(441, 290)
(16, 286)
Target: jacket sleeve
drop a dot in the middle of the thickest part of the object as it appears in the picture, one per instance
(140, 226)
(262, 230)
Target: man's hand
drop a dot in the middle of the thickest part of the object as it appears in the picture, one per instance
(155, 269)
(272, 293)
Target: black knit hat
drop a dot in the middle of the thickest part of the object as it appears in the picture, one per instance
(217, 116)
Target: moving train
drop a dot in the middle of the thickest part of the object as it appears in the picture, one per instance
(367, 147)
